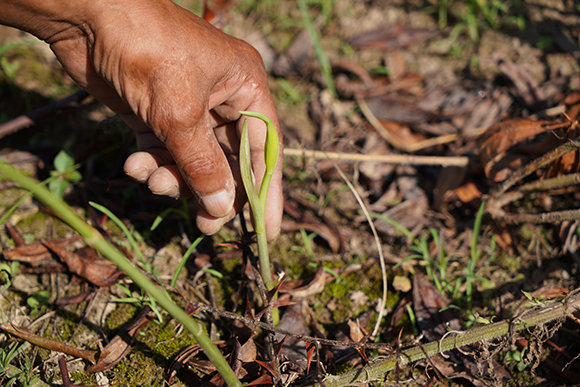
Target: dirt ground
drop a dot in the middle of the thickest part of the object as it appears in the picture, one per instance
(460, 111)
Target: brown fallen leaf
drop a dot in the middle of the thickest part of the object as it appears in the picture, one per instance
(86, 264)
(392, 37)
(409, 214)
(321, 225)
(496, 146)
(120, 345)
(305, 287)
(528, 89)
(34, 254)
(295, 57)
(449, 180)
(397, 109)
(294, 350)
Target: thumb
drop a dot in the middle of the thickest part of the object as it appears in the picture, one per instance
(204, 167)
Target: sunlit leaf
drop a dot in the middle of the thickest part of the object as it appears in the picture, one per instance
(248, 179)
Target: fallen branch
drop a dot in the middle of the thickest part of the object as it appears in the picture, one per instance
(500, 197)
(453, 340)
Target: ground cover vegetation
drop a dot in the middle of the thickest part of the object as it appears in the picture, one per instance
(431, 172)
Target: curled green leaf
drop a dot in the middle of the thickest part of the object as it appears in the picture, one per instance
(248, 180)
(271, 153)
(272, 145)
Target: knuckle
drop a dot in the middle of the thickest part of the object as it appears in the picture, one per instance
(202, 164)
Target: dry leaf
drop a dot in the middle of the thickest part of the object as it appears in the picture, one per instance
(402, 283)
(496, 153)
(391, 37)
(86, 264)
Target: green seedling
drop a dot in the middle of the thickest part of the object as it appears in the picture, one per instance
(307, 242)
(257, 198)
(122, 226)
(517, 358)
(8, 271)
(141, 301)
(288, 93)
(184, 212)
(412, 320)
(37, 302)
(438, 271)
(184, 259)
(17, 375)
(65, 174)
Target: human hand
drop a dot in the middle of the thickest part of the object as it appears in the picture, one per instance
(179, 83)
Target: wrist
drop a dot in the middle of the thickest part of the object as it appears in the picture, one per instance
(47, 19)
(54, 20)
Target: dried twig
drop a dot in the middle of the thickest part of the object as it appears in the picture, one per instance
(268, 327)
(500, 198)
(443, 161)
(31, 118)
(379, 248)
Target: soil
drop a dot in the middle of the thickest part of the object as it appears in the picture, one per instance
(406, 84)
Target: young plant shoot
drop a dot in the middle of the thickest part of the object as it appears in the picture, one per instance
(257, 198)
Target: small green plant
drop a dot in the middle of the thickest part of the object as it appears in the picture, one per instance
(65, 174)
(475, 15)
(516, 358)
(141, 301)
(37, 302)
(8, 271)
(12, 375)
(257, 198)
(314, 34)
(146, 264)
(438, 270)
(289, 95)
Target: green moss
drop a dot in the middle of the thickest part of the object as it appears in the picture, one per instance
(137, 369)
(84, 379)
(122, 314)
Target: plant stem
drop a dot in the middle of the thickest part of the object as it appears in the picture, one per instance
(93, 238)
(264, 260)
(456, 339)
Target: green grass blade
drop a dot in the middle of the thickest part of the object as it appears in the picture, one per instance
(325, 67)
(121, 225)
(184, 259)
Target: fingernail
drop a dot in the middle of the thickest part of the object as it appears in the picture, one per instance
(219, 204)
(168, 190)
(139, 174)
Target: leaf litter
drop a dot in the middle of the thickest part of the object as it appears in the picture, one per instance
(396, 96)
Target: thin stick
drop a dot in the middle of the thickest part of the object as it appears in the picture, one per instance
(31, 118)
(377, 241)
(443, 161)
